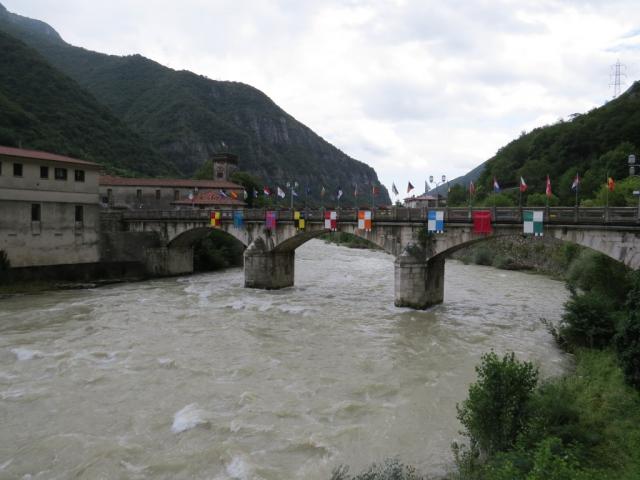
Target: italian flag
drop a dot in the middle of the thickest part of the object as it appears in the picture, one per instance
(533, 221)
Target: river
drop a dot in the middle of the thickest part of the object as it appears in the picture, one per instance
(197, 377)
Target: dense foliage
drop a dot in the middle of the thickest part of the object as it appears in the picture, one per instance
(42, 109)
(217, 250)
(188, 117)
(595, 145)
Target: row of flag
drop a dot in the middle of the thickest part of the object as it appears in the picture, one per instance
(522, 186)
(280, 192)
(532, 221)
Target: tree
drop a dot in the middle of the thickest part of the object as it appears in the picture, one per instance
(496, 410)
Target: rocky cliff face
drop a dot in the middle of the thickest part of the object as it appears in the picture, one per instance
(188, 117)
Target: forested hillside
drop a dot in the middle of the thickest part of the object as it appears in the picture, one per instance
(187, 117)
(43, 109)
(595, 145)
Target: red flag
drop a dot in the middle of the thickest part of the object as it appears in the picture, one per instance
(482, 221)
(523, 185)
(611, 184)
(548, 191)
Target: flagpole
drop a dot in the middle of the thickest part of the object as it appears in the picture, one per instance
(606, 184)
(577, 188)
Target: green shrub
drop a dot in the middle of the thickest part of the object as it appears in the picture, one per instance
(502, 261)
(594, 272)
(483, 256)
(588, 321)
(496, 410)
(217, 250)
(391, 469)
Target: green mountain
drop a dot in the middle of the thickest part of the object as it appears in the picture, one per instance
(43, 109)
(188, 117)
(595, 145)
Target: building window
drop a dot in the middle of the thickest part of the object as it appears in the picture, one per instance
(44, 172)
(176, 194)
(139, 194)
(220, 173)
(109, 196)
(35, 212)
(17, 169)
(158, 194)
(60, 173)
(79, 213)
(79, 175)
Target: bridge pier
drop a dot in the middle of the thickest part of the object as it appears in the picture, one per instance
(167, 261)
(419, 283)
(267, 269)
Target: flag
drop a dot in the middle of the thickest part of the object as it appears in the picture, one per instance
(375, 190)
(482, 221)
(532, 222)
(294, 193)
(270, 220)
(266, 191)
(339, 193)
(435, 221)
(331, 220)
(611, 185)
(472, 188)
(322, 191)
(394, 189)
(234, 195)
(355, 190)
(548, 192)
(281, 193)
(364, 220)
(308, 189)
(496, 185)
(245, 195)
(298, 220)
(223, 193)
(523, 185)
(238, 219)
(576, 182)
(426, 186)
(215, 219)
(255, 193)
(409, 187)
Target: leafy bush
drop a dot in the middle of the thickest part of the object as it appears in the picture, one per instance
(588, 321)
(483, 256)
(217, 250)
(627, 339)
(391, 469)
(496, 410)
(594, 272)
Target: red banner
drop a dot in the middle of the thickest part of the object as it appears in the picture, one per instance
(482, 222)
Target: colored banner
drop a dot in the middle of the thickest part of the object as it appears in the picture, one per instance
(482, 221)
(270, 220)
(298, 220)
(533, 222)
(364, 220)
(215, 219)
(435, 221)
(331, 220)
(238, 219)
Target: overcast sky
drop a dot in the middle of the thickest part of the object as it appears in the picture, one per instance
(412, 88)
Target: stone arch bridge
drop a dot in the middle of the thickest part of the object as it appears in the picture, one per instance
(419, 258)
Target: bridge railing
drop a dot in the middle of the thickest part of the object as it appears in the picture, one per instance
(513, 215)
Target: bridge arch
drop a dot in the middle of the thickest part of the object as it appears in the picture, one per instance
(189, 237)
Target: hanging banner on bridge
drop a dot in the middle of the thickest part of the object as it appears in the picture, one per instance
(215, 219)
(482, 221)
(364, 220)
(238, 219)
(435, 221)
(270, 220)
(331, 220)
(298, 220)
(533, 222)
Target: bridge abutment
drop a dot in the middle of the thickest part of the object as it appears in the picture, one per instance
(267, 269)
(167, 261)
(419, 283)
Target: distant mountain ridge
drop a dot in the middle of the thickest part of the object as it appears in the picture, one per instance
(186, 117)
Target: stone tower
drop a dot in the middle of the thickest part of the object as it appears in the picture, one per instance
(224, 164)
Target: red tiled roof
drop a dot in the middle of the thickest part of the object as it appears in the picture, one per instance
(167, 182)
(211, 198)
(35, 154)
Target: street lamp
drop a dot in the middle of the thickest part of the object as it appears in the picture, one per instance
(444, 180)
(632, 164)
(291, 186)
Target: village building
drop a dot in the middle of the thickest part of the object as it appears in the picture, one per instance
(49, 208)
(425, 200)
